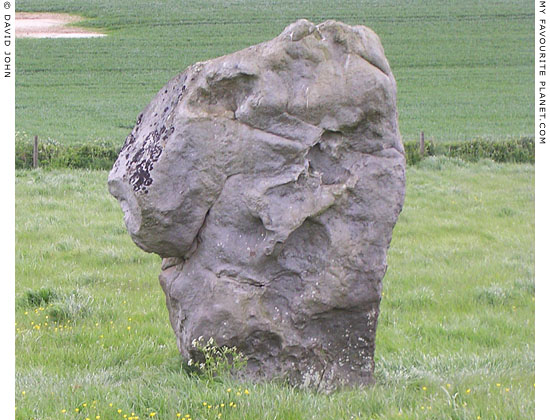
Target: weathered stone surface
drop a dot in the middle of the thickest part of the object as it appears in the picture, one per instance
(270, 180)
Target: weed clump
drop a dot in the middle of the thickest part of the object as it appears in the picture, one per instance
(211, 360)
(494, 295)
(40, 297)
(73, 306)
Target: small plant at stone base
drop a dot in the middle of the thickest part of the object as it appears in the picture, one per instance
(212, 360)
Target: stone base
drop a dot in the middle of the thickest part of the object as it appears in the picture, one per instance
(321, 351)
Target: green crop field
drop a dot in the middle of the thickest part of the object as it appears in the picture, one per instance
(464, 69)
(455, 337)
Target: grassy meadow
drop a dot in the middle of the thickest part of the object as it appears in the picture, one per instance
(464, 69)
(456, 333)
(455, 337)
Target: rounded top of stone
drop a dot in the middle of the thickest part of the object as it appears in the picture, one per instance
(358, 39)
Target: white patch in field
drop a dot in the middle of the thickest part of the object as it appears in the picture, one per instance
(50, 25)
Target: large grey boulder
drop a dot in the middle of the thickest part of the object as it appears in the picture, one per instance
(270, 180)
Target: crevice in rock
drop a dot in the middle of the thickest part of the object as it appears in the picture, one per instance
(237, 278)
(331, 171)
(199, 232)
(325, 367)
(265, 130)
(197, 238)
(374, 65)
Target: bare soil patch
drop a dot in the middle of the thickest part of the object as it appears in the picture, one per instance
(50, 25)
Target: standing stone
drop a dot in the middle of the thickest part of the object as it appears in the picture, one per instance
(270, 180)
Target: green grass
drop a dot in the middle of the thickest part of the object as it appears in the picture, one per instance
(456, 331)
(464, 69)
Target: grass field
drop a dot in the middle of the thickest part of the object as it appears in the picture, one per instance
(456, 333)
(455, 338)
(464, 69)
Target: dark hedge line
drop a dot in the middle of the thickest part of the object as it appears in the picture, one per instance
(95, 155)
(520, 150)
(99, 155)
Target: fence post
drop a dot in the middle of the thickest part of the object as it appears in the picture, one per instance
(35, 153)
(422, 144)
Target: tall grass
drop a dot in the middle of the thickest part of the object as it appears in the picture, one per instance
(455, 338)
